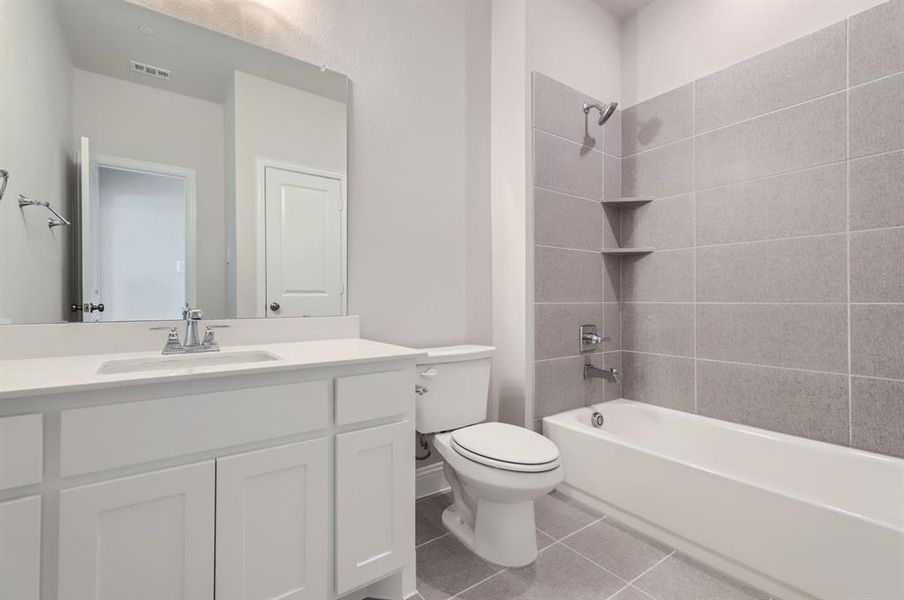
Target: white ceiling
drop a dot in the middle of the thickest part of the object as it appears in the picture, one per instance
(103, 37)
(623, 8)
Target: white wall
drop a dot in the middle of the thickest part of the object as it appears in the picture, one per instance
(140, 122)
(576, 42)
(36, 148)
(284, 124)
(670, 43)
(141, 237)
(419, 244)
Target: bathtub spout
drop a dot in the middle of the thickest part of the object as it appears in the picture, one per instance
(591, 371)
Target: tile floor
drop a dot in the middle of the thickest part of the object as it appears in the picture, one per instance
(583, 555)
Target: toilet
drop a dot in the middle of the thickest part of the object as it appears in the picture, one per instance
(495, 470)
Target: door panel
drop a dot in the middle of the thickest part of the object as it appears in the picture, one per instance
(272, 516)
(20, 549)
(374, 503)
(304, 244)
(150, 537)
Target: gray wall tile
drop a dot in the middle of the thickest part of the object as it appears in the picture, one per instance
(567, 275)
(666, 118)
(812, 405)
(661, 380)
(557, 328)
(812, 336)
(877, 42)
(658, 277)
(877, 116)
(877, 191)
(658, 328)
(612, 219)
(566, 221)
(661, 172)
(877, 415)
(662, 224)
(877, 266)
(564, 166)
(792, 204)
(612, 177)
(807, 68)
(612, 136)
(803, 136)
(612, 269)
(557, 109)
(559, 384)
(877, 340)
(811, 269)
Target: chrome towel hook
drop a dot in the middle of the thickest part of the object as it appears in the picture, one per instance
(4, 176)
(57, 222)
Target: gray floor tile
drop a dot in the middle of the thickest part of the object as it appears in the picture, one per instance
(543, 540)
(625, 552)
(558, 516)
(445, 568)
(557, 573)
(428, 521)
(680, 578)
(630, 593)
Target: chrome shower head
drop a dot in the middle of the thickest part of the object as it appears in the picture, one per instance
(605, 111)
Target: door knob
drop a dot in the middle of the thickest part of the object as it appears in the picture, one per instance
(274, 306)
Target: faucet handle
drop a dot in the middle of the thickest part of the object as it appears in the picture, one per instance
(209, 341)
(193, 314)
(173, 345)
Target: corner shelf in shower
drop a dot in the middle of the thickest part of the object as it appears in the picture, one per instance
(626, 202)
(627, 251)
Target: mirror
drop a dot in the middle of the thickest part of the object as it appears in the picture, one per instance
(153, 165)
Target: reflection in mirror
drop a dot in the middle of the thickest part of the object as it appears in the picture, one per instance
(196, 170)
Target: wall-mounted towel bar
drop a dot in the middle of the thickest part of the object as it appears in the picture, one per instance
(57, 222)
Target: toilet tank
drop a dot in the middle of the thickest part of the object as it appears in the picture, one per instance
(454, 385)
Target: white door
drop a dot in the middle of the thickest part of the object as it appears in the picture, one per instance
(150, 537)
(304, 244)
(20, 549)
(374, 503)
(272, 524)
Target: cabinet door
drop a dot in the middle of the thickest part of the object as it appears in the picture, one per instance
(149, 536)
(374, 503)
(20, 549)
(272, 523)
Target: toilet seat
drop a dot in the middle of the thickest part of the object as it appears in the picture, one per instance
(507, 447)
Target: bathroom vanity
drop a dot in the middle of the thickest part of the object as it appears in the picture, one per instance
(138, 475)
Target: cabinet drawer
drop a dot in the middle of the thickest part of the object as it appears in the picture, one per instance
(373, 396)
(21, 450)
(105, 437)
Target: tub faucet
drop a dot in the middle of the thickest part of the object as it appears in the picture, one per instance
(591, 372)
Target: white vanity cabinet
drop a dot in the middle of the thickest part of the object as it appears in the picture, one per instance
(272, 537)
(282, 485)
(145, 536)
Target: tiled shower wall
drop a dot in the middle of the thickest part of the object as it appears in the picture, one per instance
(776, 295)
(575, 162)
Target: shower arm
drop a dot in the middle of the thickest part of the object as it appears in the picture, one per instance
(57, 222)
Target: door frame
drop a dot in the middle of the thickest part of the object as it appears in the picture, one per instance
(121, 163)
(260, 218)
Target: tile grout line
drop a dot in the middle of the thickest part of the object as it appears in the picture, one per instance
(580, 529)
(431, 540)
(630, 584)
(744, 364)
(694, 221)
(484, 580)
(620, 578)
(571, 141)
(847, 125)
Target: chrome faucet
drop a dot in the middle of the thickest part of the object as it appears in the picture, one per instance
(591, 372)
(193, 342)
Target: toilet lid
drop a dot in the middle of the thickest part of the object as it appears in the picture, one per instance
(506, 446)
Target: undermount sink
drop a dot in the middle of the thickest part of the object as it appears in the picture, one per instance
(184, 361)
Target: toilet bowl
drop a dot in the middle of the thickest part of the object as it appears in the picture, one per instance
(496, 470)
(493, 508)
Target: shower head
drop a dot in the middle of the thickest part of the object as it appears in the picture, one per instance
(605, 111)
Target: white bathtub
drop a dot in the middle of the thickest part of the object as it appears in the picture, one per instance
(794, 517)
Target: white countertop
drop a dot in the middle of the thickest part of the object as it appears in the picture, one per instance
(53, 375)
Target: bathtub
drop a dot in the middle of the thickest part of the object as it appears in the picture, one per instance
(793, 517)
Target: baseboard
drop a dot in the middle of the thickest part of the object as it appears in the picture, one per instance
(712, 559)
(429, 480)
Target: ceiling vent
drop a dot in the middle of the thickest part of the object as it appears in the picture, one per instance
(150, 71)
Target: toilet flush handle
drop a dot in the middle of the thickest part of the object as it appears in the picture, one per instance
(429, 373)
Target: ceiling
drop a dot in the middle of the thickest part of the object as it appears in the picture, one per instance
(623, 8)
(104, 36)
